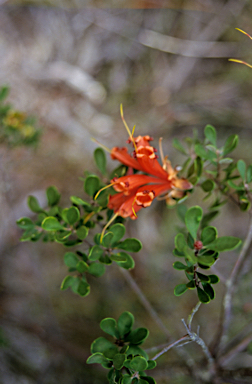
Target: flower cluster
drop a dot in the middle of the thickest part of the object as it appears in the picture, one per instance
(136, 191)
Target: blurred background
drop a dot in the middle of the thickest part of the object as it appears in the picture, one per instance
(70, 64)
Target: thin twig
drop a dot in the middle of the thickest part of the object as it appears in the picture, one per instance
(168, 347)
(195, 337)
(231, 284)
(190, 317)
(145, 302)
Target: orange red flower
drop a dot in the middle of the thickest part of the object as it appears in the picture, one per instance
(136, 191)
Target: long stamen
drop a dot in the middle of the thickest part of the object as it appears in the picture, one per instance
(102, 189)
(245, 33)
(133, 208)
(107, 225)
(161, 152)
(127, 128)
(102, 145)
(241, 62)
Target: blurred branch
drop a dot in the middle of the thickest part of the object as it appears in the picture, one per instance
(238, 348)
(147, 305)
(231, 285)
(186, 48)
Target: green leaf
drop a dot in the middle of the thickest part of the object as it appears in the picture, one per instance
(71, 215)
(61, 236)
(96, 269)
(209, 290)
(82, 266)
(100, 160)
(208, 185)
(118, 360)
(118, 257)
(230, 144)
(210, 134)
(226, 160)
(147, 379)
(108, 325)
(25, 223)
(151, 364)
(95, 253)
(180, 289)
(33, 204)
(191, 285)
(179, 266)
(71, 259)
(53, 196)
(83, 288)
(177, 144)
(176, 252)
(92, 185)
(137, 336)
(78, 201)
(125, 323)
(192, 220)
(249, 174)
(181, 210)
(241, 166)
(130, 245)
(136, 350)
(203, 296)
(97, 358)
(107, 239)
(203, 278)
(104, 346)
(190, 254)
(126, 379)
(82, 232)
(4, 91)
(214, 279)
(225, 243)
(51, 224)
(138, 363)
(206, 260)
(118, 231)
(180, 242)
(208, 235)
(128, 264)
(67, 282)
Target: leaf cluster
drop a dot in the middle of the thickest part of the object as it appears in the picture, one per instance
(76, 226)
(124, 357)
(16, 128)
(200, 246)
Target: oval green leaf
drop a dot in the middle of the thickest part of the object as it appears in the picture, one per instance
(118, 360)
(130, 245)
(203, 296)
(192, 220)
(51, 224)
(97, 358)
(125, 322)
(138, 363)
(71, 259)
(53, 196)
(108, 325)
(208, 235)
(180, 289)
(104, 346)
(100, 160)
(128, 264)
(96, 269)
(225, 243)
(92, 185)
